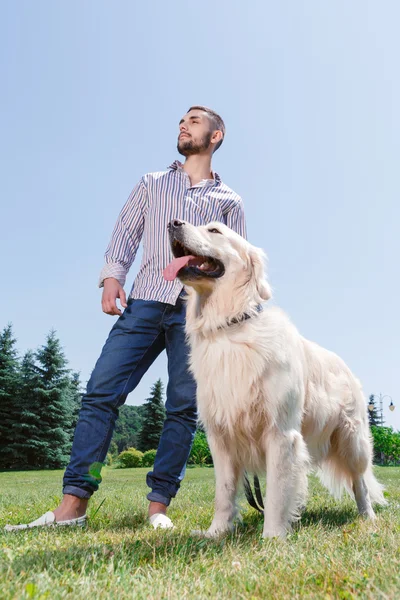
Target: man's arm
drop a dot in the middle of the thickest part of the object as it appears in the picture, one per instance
(236, 220)
(122, 249)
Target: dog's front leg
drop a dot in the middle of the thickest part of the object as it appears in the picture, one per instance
(227, 474)
(287, 465)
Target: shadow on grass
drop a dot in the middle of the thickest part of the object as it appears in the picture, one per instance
(133, 522)
(333, 516)
(328, 517)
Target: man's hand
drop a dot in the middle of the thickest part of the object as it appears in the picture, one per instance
(112, 290)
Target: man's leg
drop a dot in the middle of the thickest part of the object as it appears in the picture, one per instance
(180, 424)
(134, 343)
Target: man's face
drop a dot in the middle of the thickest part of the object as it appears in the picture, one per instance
(195, 133)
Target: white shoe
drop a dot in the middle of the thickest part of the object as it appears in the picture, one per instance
(162, 521)
(48, 520)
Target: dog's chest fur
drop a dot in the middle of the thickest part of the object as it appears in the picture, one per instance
(241, 371)
(228, 373)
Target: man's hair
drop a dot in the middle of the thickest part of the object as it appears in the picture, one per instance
(216, 121)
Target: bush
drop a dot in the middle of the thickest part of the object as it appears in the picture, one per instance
(148, 458)
(386, 445)
(130, 458)
(109, 459)
(200, 454)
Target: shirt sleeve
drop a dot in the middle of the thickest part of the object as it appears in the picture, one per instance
(236, 220)
(126, 237)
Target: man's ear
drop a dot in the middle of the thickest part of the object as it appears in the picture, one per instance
(257, 259)
(216, 137)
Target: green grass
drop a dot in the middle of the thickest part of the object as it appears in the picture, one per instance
(332, 554)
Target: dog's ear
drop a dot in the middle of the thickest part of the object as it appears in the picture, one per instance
(258, 258)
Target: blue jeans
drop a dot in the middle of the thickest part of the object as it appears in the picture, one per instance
(143, 331)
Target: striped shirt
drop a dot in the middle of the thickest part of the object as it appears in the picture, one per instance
(157, 199)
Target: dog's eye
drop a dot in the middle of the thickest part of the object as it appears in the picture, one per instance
(214, 231)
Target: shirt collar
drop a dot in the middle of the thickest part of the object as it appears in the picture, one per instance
(178, 166)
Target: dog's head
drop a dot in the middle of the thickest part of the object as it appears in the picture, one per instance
(219, 265)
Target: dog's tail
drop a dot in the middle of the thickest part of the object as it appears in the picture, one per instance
(375, 488)
(333, 477)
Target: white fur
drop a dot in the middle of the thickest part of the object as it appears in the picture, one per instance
(270, 399)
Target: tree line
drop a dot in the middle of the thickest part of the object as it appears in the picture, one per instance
(40, 398)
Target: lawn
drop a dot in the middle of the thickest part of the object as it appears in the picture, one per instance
(332, 554)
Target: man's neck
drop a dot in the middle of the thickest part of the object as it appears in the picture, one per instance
(198, 167)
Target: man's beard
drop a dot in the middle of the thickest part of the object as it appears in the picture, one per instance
(187, 147)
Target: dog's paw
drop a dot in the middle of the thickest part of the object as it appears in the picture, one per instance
(276, 535)
(198, 532)
(276, 532)
(211, 533)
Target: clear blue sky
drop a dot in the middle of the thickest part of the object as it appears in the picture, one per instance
(91, 96)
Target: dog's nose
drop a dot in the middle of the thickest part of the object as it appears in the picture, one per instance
(175, 224)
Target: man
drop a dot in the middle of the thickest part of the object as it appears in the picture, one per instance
(153, 320)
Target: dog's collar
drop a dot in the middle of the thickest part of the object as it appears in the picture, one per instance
(244, 317)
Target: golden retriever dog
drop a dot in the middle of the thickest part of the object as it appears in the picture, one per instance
(271, 400)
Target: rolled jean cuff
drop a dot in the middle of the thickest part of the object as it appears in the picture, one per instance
(75, 491)
(155, 497)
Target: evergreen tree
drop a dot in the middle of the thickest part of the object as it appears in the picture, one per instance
(53, 404)
(153, 418)
(27, 429)
(9, 386)
(374, 419)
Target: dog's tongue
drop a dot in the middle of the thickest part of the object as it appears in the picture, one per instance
(170, 272)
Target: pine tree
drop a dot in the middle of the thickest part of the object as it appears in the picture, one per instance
(53, 406)
(373, 417)
(27, 430)
(153, 418)
(9, 386)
